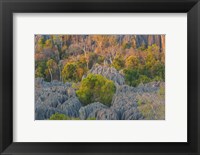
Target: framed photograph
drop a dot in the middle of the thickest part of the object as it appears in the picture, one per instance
(99, 77)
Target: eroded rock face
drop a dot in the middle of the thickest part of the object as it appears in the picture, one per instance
(90, 110)
(56, 97)
(132, 114)
(149, 40)
(98, 111)
(70, 107)
(125, 100)
(108, 72)
(43, 112)
(52, 97)
(107, 114)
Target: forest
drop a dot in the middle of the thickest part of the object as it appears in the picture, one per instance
(99, 77)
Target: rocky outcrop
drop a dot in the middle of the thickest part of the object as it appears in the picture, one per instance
(149, 40)
(98, 111)
(107, 114)
(108, 72)
(43, 112)
(125, 100)
(90, 111)
(70, 107)
(163, 42)
(56, 97)
(52, 97)
(132, 114)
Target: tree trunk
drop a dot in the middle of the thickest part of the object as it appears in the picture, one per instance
(104, 62)
(60, 73)
(110, 60)
(50, 74)
(85, 53)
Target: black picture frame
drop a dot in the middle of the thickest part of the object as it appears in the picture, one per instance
(8, 7)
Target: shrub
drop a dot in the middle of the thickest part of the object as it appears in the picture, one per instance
(118, 63)
(74, 71)
(139, 102)
(131, 77)
(58, 116)
(126, 45)
(96, 88)
(68, 72)
(40, 69)
(143, 79)
(132, 62)
(161, 91)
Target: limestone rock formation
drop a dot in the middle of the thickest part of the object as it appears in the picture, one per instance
(108, 72)
(107, 114)
(90, 111)
(56, 97)
(52, 97)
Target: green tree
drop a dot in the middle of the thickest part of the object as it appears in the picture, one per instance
(69, 72)
(118, 63)
(41, 42)
(74, 71)
(49, 43)
(40, 69)
(142, 47)
(96, 88)
(132, 62)
(52, 66)
(131, 76)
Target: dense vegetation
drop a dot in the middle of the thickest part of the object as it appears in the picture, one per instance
(69, 57)
(96, 88)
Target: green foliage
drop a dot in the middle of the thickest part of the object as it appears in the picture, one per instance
(153, 48)
(132, 62)
(93, 57)
(161, 91)
(51, 63)
(143, 79)
(58, 116)
(96, 88)
(100, 59)
(41, 42)
(145, 67)
(75, 85)
(139, 65)
(139, 102)
(52, 67)
(73, 71)
(142, 47)
(48, 43)
(68, 72)
(40, 69)
(131, 76)
(118, 63)
(126, 45)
